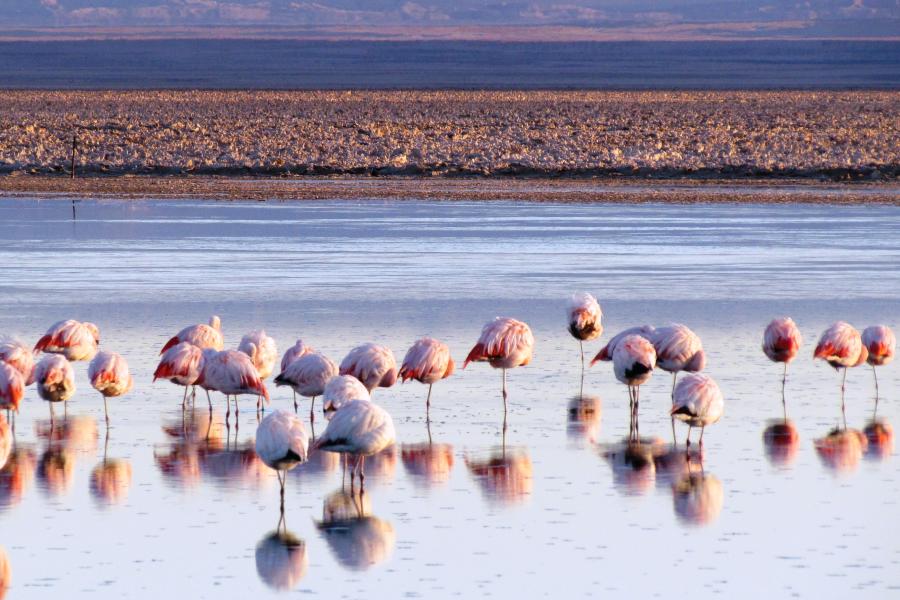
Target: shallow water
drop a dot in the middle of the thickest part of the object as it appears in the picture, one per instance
(558, 509)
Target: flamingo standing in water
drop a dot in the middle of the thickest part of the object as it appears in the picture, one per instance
(294, 352)
(607, 351)
(781, 343)
(584, 315)
(262, 351)
(232, 373)
(282, 444)
(12, 388)
(202, 336)
(633, 362)
(359, 428)
(427, 361)
(841, 346)
(374, 365)
(73, 339)
(109, 375)
(308, 376)
(55, 379)
(881, 344)
(18, 355)
(504, 343)
(339, 391)
(677, 349)
(181, 364)
(698, 402)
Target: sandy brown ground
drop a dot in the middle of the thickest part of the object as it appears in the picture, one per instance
(480, 189)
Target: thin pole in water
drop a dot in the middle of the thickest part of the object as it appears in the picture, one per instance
(74, 147)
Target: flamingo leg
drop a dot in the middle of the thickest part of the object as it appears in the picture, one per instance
(674, 379)
(106, 410)
(702, 429)
(875, 375)
(688, 442)
(581, 345)
(428, 404)
(295, 400)
(504, 391)
(237, 410)
(312, 410)
(184, 398)
(227, 407)
(51, 416)
(637, 423)
(208, 399)
(843, 410)
(362, 474)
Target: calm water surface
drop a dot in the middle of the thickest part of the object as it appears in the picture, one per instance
(176, 503)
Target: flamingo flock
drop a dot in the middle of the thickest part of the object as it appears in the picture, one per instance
(356, 426)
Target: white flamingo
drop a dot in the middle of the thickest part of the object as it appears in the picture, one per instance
(308, 376)
(358, 428)
(584, 316)
(427, 361)
(373, 364)
(282, 443)
(73, 339)
(109, 375)
(698, 402)
(262, 351)
(202, 336)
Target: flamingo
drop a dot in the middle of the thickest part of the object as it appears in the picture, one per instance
(880, 343)
(294, 352)
(781, 343)
(73, 339)
(181, 364)
(11, 389)
(282, 444)
(308, 376)
(262, 351)
(634, 359)
(55, 379)
(505, 343)
(374, 365)
(202, 336)
(584, 315)
(606, 353)
(841, 347)
(18, 355)
(677, 349)
(427, 361)
(698, 402)
(358, 428)
(232, 373)
(109, 375)
(339, 391)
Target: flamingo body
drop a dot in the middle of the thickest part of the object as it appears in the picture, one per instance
(262, 351)
(294, 352)
(281, 441)
(841, 346)
(880, 343)
(373, 364)
(12, 387)
(19, 356)
(427, 361)
(678, 349)
(109, 374)
(359, 427)
(73, 339)
(698, 400)
(55, 378)
(202, 336)
(232, 373)
(782, 340)
(308, 374)
(505, 343)
(341, 390)
(606, 353)
(634, 360)
(584, 316)
(181, 364)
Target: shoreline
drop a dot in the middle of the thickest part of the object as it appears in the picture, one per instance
(355, 188)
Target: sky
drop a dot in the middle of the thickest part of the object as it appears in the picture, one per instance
(853, 18)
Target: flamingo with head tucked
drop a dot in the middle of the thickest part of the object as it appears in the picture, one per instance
(232, 373)
(181, 364)
(359, 428)
(584, 316)
(427, 361)
(881, 344)
(781, 343)
(262, 351)
(18, 355)
(202, 336)
(73, 339)
(698, 402)
(12, 389)
(373, 364)
(504, 343)
(308, 376)
(841, 347)
(294, 352)
(339, 391)
(282, 444)
(110, 376)
(607, 351)
(634, 359)
(55, 379)
(677, 349)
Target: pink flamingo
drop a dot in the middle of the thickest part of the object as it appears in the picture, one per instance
(698, 402)
(677, 349)
(374, 365)
(308, 376)
(427, 361)
(12, 389)
(109, 375)
(282, 444)
(633, 362)
(202, 336)
(584, 316)
(880, 343)
(262, 351)
(358, 428)
(505, 344)
(73, 339)
(55, 379)
(607, 351)
(294, 352)
(232, 373)
(181, 364)
(781, 343)
(339, 391)
(841, 346)
(18, 355)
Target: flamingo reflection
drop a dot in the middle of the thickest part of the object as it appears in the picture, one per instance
(5, 573)
(427, 462)
(193, 433)
(6, 441)
(583, 422)
(56, 469)
(842, 449)
(16, 475)
(880, 437)
(111, 478)
(505, 475)
(281, 559)
(697, 497)
(634, 464)
(781, 441)
(357, 539)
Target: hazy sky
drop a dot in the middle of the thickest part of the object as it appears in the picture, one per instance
(368, 13)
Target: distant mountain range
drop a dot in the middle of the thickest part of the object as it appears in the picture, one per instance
(460, 19)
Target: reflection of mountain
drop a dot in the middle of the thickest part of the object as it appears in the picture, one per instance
(427, 463)
(698, 498)
(842, 449)
(880, 437)
(781, 441)
(584, 418)
(281, 560)
(504, 476)
(357, 540)
(110, 480)
(16, 475)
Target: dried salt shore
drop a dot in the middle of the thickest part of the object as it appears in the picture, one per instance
(823, 135)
